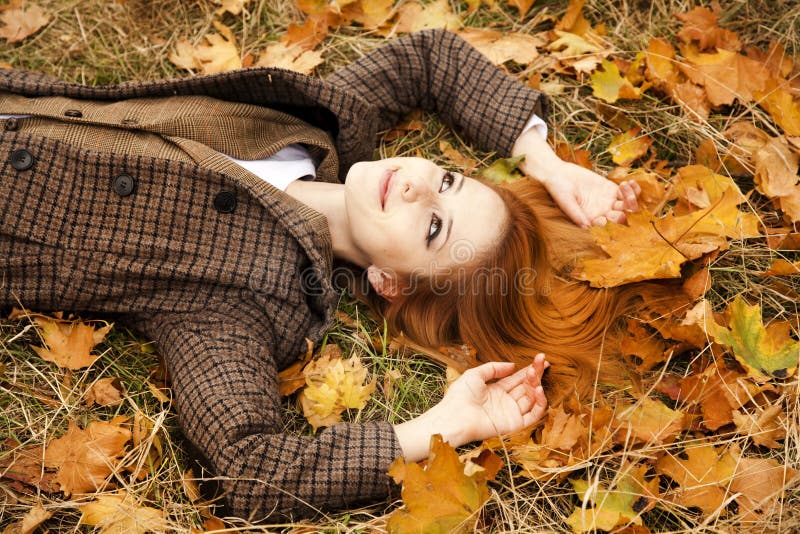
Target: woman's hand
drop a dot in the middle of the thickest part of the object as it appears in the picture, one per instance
(588, 198)
(475, 408)
(584, 196)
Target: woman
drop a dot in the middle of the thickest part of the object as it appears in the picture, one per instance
(134, 199)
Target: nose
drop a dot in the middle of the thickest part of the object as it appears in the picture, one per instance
(414, 189)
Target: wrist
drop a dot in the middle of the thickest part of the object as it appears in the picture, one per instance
(415, 435)
(541, 162)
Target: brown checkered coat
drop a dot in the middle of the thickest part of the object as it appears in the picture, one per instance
(228, 296)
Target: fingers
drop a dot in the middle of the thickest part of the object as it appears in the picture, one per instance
(537, 367)
(492, 370)
(573, 210)
(537, 407)
(627, 196)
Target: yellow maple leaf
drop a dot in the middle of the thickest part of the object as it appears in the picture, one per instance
(85, 457)
(414, 17)
(629, 146)
(651, 247)
(20, 23)
(781, 105)
(217, 53)
(571, 44)
(500, 47)
(332, 386)
(764, 352)
(701, 478)
(648, 421)
(660, 59)
(441, 497)
(69, 343)
(120, 513)
(291, 57)
(608, 84)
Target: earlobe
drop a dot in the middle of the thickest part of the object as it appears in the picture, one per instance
(384, 283)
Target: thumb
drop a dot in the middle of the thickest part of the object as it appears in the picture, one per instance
(570, 206)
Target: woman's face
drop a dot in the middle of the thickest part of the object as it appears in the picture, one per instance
(408, 215)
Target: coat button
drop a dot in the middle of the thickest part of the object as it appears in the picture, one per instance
(11, 124)
(123, 185)
(21, 160)
(225, 202)
(73, 113)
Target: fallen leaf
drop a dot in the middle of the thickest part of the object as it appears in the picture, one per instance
(291, 379)
(781, 267)
(760, 482)
(500, 47)
(234, 7)
(372, 14)
(661, 65)
(629, 146)
(105, 392)
(503, 170)
(34, 517)
(523, 6)
(571, 45)
(700, 25)
(573, 20)
(69, 343)
(291, 57)
(764, 427)
(120, 513)
(702, 477)
(332, 386)
(623, 503)
(466, 163)
(217, 53)
(85, 458)
(414, 17)
(578, 156)
(440, 497)
(608, 84)
(648, 421)
(776, 168)
(726, 76)
(25, 465)
(763, 352)
(20, 23)
(781, 105)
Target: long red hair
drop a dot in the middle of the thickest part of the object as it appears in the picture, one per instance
(517, 300)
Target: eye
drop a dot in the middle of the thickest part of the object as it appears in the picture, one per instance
(434, 228)
(449, 178)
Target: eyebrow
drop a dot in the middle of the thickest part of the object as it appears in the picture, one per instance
(450, 223)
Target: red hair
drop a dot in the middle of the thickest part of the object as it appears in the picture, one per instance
(539, 309)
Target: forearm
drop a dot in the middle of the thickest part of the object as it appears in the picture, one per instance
(415, 435)
(541, 161)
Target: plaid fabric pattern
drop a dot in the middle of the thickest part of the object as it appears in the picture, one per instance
(228, 297)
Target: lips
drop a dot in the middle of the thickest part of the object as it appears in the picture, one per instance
(384, 186)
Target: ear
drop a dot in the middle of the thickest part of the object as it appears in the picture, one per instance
(385, 283)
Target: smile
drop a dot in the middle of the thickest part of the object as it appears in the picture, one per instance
(384, 186)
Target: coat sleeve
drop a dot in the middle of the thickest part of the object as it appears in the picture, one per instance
(438, 71)
(225, 389)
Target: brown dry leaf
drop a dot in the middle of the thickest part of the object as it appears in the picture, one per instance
(655, 247)
(702, 477)
(776, 168)
(414, 17)
(466, 163)
(639, 341)
(371, 14)
(306, 35)
(693, 98)
(69, 343)
(291, 57)
(761, 481)
(25, 466)
(700, 25)
(500, 47)
(523, 6)
(629, 146)
(764, 427)
(441, 497)
(579, 156)
(105, 392)
(145, 435)
(332, 386)
(30, 521)
(726, 76)
(291, 379)
(218, 52)
(609, 85)
(781, 267)
(573, 20)
(234, 7)
(648, 421)
(660, 60)
(85, 458)
(20, 23)
(120, 513)
(781, 105)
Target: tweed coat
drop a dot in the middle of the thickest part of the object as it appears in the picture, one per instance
(229, 287)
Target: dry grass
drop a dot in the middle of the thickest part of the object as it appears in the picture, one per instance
(100, 41)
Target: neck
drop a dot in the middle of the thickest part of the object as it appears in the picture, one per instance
(328, 199)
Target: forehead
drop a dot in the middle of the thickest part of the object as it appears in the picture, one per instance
(479, 215)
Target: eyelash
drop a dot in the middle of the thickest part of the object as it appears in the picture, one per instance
(450, 178)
